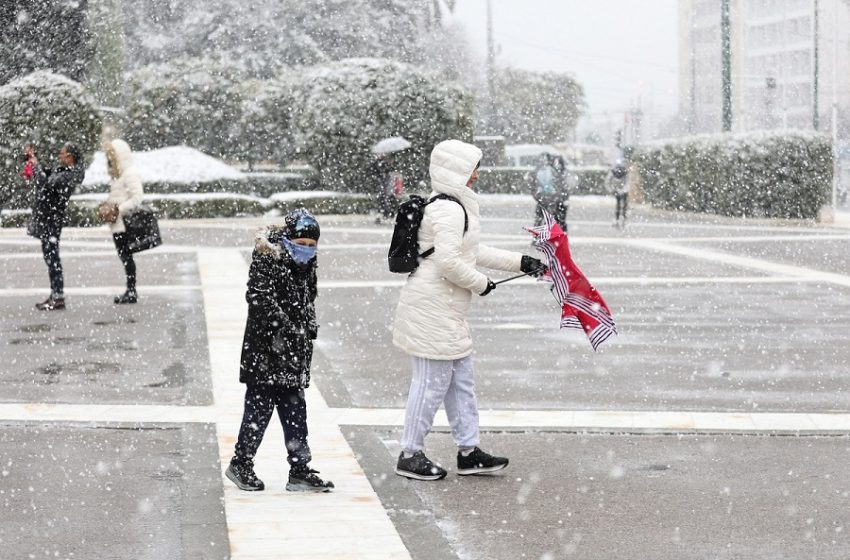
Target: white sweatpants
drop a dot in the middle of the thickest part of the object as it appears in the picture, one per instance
(441, 381)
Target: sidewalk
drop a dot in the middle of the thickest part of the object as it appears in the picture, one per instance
(350, 522)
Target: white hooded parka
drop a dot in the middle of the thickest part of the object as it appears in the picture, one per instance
(430, 320)
(125, 190)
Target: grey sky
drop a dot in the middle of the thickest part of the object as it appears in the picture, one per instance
(620, 50)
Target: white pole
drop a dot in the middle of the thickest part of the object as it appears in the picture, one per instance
(836, 168)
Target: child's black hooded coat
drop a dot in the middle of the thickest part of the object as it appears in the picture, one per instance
(278, 344)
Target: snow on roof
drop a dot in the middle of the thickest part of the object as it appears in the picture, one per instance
(174, 164)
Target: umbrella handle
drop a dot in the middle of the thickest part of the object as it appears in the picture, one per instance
(512, 278)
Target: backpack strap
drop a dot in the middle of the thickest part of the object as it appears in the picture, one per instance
(442, 196)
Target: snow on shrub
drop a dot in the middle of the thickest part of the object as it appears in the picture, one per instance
(784, 174)
(265, 131)
(192, 101)
(50, 110)
(347, 106)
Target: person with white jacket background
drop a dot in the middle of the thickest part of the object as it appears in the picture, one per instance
(125, 195)
(430, 322)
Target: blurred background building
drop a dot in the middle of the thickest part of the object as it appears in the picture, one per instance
(790, 63)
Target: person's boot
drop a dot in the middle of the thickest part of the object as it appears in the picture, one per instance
(479, 462)
(243, 476)
(51, 304)
(130, 296)
(419, 467)
(304, 479)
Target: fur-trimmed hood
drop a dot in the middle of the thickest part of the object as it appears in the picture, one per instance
(267, 241)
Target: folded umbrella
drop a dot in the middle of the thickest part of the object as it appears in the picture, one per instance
(582, 306)
(390, 145)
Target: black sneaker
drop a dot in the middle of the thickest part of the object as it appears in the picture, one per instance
(244, 477)
(419, 467)
(51, 304)
(305, 480)
(479, 462)
(126, 297)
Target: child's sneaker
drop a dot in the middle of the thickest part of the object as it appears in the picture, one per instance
(479, 462)
(244, 477)
(305, 480)
(418, 467)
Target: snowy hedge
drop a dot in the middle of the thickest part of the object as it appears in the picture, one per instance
(777, 175)
(589, 180)
(196, 102)
(510, 180)
(347, 106)
(263, 185)
(50, 110)
(265, 128)
(521, 180)
(82, 210)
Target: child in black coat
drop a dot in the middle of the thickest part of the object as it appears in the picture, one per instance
(278, 348)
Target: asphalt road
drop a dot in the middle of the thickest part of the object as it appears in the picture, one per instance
(714, 315)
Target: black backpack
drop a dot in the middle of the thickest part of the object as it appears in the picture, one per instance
(404, 253)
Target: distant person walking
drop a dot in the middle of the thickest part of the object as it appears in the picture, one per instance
(618, 185)
(562, 190)
(430, 321)
(54, 188)
(548, 190)
(125, 195)
(387, 184)
(277, 350)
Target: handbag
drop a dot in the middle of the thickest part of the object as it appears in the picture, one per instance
(142, 229)
(107, 212)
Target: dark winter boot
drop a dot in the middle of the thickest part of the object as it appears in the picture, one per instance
(243, 476)
(304, 479)
(51, 304)
(479, 462)
(129, 296)
(418, 467)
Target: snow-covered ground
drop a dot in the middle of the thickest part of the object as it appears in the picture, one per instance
(174, 164)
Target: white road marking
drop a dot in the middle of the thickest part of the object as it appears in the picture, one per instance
(751, 263)
(228, 423)
(99, 290)
(252, 518)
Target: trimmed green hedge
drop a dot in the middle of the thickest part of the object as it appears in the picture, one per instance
(511, 180)
(589, 180)
(82, 208)
(775, 175)
(262, 185)
(521, 180)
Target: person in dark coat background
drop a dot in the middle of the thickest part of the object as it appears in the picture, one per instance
(54, 189)
(278, 348)
(383, 176)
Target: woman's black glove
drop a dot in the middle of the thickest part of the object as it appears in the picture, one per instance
(532, 266)
(490, 287)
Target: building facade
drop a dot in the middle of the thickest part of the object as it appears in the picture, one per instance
(790, 60)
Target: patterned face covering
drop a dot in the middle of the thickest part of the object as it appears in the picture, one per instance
(300, 253)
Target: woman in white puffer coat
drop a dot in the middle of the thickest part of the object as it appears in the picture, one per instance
(430, 322)
(125, 195)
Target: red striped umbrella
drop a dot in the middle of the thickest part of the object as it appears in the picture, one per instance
(582, 306)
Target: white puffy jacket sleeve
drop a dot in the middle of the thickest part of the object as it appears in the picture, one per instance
(448, 220)
(490, 257)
